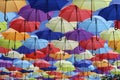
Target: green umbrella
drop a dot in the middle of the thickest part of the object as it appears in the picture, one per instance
(3, 26)
(10, 44)
(115, 71)
(90, 4)
(59, 24)
(111, 34)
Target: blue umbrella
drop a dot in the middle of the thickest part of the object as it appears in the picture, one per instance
(111, 12)
(34, 43)
(26, 71)
(95, 25)
(83, 63)
(24, 50)
(47, 5)
(52, 35)
(51, 68)
(115, 2)
(86, 69)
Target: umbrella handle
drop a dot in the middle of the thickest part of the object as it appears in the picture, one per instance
(5, 18)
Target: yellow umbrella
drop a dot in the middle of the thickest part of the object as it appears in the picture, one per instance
(11, 5)
(90, 4)
(60, 55)
(12, 34)
(117, 63)
(3, 26)
(103, 63)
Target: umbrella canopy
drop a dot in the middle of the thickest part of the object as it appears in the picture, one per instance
(73, 13)
(117, 24)
(12, 34)
(21, 25)
(59, 24)
(14, 54)
(48, 5)
(78, 35)
(117, 63)
(31, 14)
(36, 43)
(94, 24)
(3, 26)
(53, 35)
(36, 55)
(64, 44)
(111, 34)
(93, 43)
(10, 44)
(5, 64)
(42, 63)
(60, 55)
(115, 71)
(113, 10)
(50, 49)
(4, 50)
(90, 4)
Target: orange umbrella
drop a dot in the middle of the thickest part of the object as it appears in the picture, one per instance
(17, 74)
(60, 55)
(12, 34)
(83, 74)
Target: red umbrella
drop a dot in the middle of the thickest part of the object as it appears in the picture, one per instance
(117, 24)
(105, 69)
(13, 68)
(21, 25)
(50, 49)
(93, 43)
(4, 50)
(73, 13)
(42, 63)
(35, 55)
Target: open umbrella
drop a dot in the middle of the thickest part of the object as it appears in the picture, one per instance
(93, 43)
(115, 71)
(90, 4)
(5, 64)
(48, 5)
(73, 13)
(113, 11)
(31, 14)
(4, 50)
(78, 35)
(36, 43)
(12, 34)
(52, 35)
(94, 24)
(60, 55)
(10, 44)
(50, 49)
(59, 24)
(64, 44)
(21, 25)
(11, 6)
(3, 26)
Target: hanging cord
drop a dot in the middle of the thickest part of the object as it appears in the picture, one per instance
(61, 27)
(116, 7)
(114, 40)
(5, 18)
(76, 9)
(91, 9)
(24, 28)
(96, 27)
(36, 19)
(35, 46)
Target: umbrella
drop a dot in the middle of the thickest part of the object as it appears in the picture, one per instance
(90, 4)
(42, 63)
(93, 43)
(117, 24)
(21, 25)
(5, 64)
(52, 35)
(113, 11)
(64, 44)
(12, 34)
(31, 14)
(115, 71)
(36, 43)
(14, 54)
(11, 6)
(4, 50)
(48, 5)
(22, 64)
(78, 35)
(59, 24)
(60, 55)
(10, 44)
(84, 55)
(64, 66)
(117, 63)
(111, 34)
(36, 55)
(24, 50)
(73, 13)
(3, 26)
(50, 49)
(76, 50)
(13, 68)
(94, 24)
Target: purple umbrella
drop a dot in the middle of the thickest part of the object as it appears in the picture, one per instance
(6, 64)
(78, 35)
(76, 50)
(31, 14)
